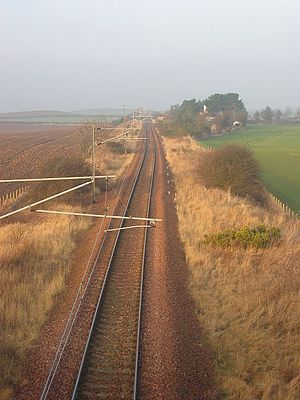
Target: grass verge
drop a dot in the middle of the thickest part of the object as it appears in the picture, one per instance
(247, 299)
(34, 260)
(34, 263)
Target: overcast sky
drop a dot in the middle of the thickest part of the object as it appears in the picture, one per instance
(75, 54)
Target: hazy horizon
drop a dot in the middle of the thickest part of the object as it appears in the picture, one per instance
(76, 55)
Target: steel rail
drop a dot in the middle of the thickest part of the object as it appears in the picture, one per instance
(75, 391)
(71, 322)
(135, 386)
(73, 314)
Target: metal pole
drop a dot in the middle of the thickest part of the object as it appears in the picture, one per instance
(46, 199)
(113, 138)
(62, 178)
(124, 115)
(93, 164)
(129, 227)
(132, 122)
(124, 129)
(99, 215)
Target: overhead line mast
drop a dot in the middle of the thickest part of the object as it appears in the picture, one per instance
(93, 164)
(91, 181)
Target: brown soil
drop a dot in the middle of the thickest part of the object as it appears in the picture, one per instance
(24, 148)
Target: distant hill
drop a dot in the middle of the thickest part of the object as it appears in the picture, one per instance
(113, 112)
(63, 117)
(59, 117)
(33, 113)
(103, 111)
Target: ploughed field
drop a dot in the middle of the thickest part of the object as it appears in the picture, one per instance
(277, 148)
(25, 148)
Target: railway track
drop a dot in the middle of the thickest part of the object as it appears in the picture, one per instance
(109, 368)
(109, 365)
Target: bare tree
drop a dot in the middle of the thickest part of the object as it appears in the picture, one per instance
(85, 137)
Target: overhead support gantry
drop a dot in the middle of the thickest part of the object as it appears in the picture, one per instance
(91, 181)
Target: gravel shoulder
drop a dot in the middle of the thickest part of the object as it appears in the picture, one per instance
(40, 356)
(176, 362)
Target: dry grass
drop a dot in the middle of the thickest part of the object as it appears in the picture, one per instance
(248, 300)
(111, 162)
(34, 259)
(33, 266)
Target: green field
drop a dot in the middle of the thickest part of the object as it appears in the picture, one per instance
(277, 148)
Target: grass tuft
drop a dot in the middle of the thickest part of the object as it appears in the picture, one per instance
(259, 237)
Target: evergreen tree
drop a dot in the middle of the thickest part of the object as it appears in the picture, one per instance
(267, 114)
(256, 116)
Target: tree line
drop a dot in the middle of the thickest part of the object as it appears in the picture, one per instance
(202, 118)
(268, 114)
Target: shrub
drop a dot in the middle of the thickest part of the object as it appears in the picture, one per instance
(223, 122)
(55, 167)
(259, 237)
(231, 167)
(172, 129)
(116, 147)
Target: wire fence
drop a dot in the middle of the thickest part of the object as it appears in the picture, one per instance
(205, 147)
(283, 206)
(13, 195)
